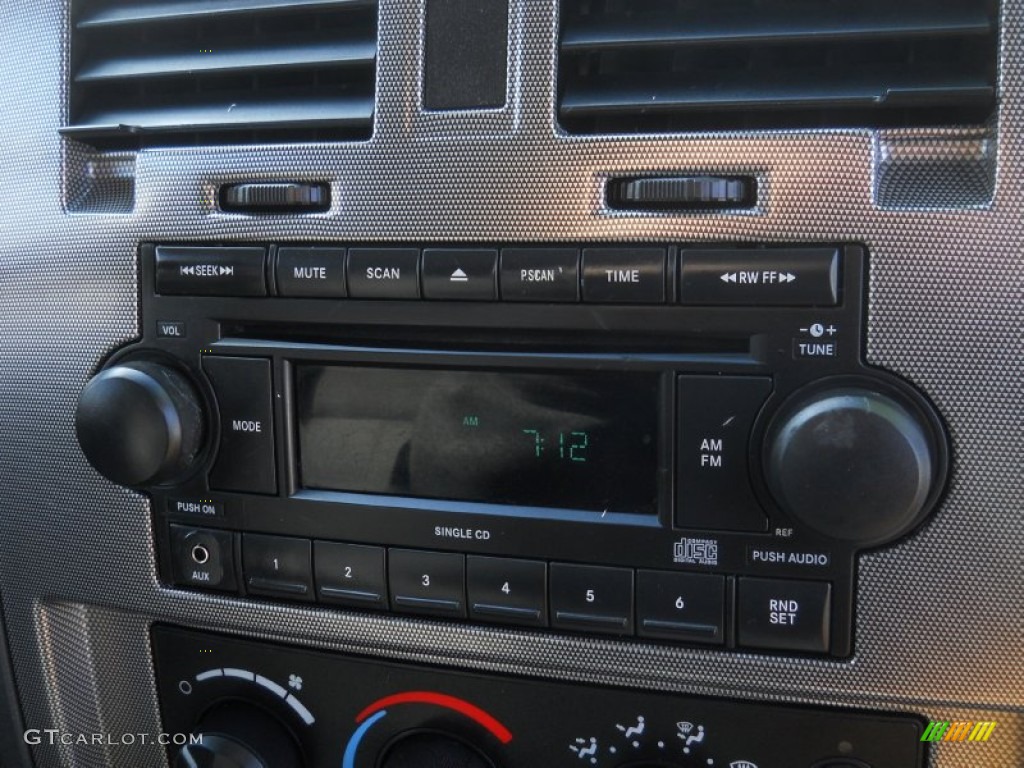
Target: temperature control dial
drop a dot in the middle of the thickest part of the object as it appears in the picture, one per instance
(433, 750)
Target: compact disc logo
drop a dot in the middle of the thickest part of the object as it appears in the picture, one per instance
(695, 551)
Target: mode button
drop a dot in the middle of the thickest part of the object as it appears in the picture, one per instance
(245, 460)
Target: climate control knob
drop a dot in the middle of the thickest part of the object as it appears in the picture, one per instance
(429, 749)
(237, 735)
(140, 423)
(854, 463)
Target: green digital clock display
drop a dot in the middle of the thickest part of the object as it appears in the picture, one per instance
(573, 448)
(564, 440)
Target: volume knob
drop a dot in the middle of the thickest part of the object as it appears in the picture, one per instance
(853, 463)
(140, 423)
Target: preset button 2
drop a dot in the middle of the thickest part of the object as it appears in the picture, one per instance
(350, 574)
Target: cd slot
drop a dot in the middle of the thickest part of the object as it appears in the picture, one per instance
(491, 340)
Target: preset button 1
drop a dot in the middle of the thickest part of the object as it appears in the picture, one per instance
(279, 566)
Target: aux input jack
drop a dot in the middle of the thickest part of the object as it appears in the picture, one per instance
(200, 554)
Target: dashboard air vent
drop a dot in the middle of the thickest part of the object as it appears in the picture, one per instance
(628, 66)
(171, 72)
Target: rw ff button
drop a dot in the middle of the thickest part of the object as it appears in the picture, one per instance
(784, 615)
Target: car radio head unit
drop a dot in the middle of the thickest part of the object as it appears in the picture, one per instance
(679, 442)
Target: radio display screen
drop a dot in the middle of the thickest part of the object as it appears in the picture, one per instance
(586, 441)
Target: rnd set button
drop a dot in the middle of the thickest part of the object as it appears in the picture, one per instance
(786, 615)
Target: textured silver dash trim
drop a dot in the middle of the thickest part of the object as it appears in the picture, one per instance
(940, 617)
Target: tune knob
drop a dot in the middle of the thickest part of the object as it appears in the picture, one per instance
(140, 423)
(429, 749)
(854, 463)
(237, 735)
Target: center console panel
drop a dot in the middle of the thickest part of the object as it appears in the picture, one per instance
(319, 710)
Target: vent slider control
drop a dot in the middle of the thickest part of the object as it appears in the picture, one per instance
(671, 193)
(275, 197)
